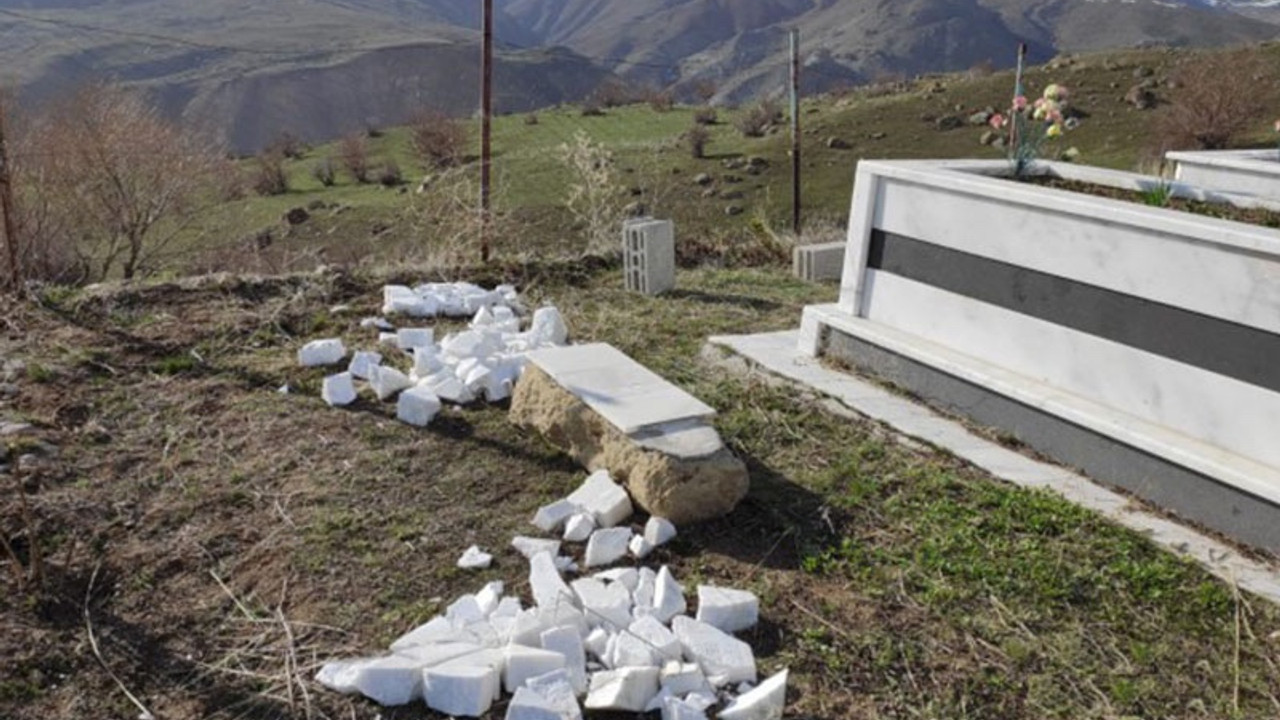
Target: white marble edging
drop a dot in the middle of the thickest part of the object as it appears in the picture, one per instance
(777, 354)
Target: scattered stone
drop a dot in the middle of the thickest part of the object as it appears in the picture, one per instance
(527, 704)
(604, 604)
(599, 495)
(640, 547)
(521, 663)
(949, 122)
(734, 210)
(548, 328)
(1142, 72)
(628, 689)
(732, 179)
(703, 179)
(878, 135)
(546, 585)
(635, 209)
(579, 527)
(297, 216)
(550, 518)
(724, 658)
(607, 546)
(659, 531)
(732, 195)
(676, 709)
(568, 642)
(460, 691)
(386, 381)
(417, 406)
(557, 689)
(727, 609)
(988, 137)
(362, 364)
(835, 143)
(627, 577)
(13, 429)
(436, 630)
(340, 675)
(668, 596)
(322, 352)
(763, 703)
(1140, 97)
(682, 678)
(339, 390)
(532, 547)
(657, 638)
(627, 650)
(389, 681)
(414, 338)
(980, 118)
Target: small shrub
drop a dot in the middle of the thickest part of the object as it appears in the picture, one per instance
(661, 101)
(592, 108)
(323, 171)
(373, 132)
(1219, 96)
(614, 93)
(353, 151)
(438, 140)
(704, 90)
(595, 199)
(271, 178)
(705, 116)
(289, 146)
(756, 120)
(389, 174)
(697, 137)
(531, 119)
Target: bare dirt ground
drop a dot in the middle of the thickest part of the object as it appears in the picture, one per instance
(186, 532)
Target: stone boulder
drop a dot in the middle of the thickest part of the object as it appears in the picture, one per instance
(682, 472)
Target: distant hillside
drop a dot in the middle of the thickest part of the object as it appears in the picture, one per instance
(253, 68)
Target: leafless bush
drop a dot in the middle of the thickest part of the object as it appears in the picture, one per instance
(756, 120)
(614, 93)
(389, 174)
(270, 178)
(592, 108)
(446, 225)
(323, 172)
(112, 184)
(705, 116)
(704, 90)
(289, 146)
(531, 119)
(595, 198)
(697, 138)
(1219, 95)
(438, 140)
(353, 152)
(661, 101)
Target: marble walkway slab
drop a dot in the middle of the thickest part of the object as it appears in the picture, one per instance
(627, 394)
(776, 354)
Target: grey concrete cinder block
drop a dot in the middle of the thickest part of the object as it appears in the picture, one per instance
(814, 263)
(649, 255)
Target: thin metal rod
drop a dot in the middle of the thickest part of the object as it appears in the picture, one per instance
(13, 281)
(795, 132)
(486, 128)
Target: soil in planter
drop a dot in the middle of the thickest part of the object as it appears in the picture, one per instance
(1253, 216)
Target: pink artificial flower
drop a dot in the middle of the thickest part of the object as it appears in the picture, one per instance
(996, 121)
(1278, 126)
(1020, 104)
(1055, 116)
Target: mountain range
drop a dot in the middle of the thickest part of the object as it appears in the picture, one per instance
(251, 69)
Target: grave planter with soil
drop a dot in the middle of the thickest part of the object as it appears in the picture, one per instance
(1139, 343)
(1250, 172)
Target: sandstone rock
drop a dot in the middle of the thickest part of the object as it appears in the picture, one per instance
(683, 473)
(1140, 97)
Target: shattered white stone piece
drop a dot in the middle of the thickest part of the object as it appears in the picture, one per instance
(639, 547)
(548, 588)
(627, 650)
(361, 362)
(602, 603)
(728, 609)
(414, 338)
(657, 638)
(529, 547)
(460, 691)
(531, 623)
(607, 546)
(548, 327)
(557, 689)
(489, 597)
(579, 527)
(766, 702)
(702, 699)
(668, 596)
(283, 389)
(389, 339)
(322, 352)
(417, 406)
(568, 642)
(401, 300)
(436, 630)
(386, 381)
(438, 653)
(657, 701)
(744, 687)
(628, 576)
(377, 322)
(340, 675)
(597, 643)
(643, 594)
(426, 363)
(676, 709)
(469, 344)
(606, 500)
(338, 390)
(390, 681)
(628, 689)
(507, 607)
(475, 559)
(550, 518)
(565, 564)
(448, 387)
(659, 531)
(723, 658)
(682, 678)
(521, 663)
(527, 704)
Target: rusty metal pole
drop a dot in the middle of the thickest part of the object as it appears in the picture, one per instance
(795, 132)
(14, 279)
(486, 127)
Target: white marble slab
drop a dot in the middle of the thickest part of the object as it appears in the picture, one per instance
(1254, 172)
(778, 355)
(627, 394)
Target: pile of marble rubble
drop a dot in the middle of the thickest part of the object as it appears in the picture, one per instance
(620, 639)
(482, 362)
